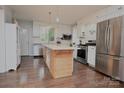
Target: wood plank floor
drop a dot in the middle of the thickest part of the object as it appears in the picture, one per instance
(34, 73)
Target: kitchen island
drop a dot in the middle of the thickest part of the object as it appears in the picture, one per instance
(59, 59)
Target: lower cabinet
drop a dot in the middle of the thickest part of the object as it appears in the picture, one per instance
(91, 55)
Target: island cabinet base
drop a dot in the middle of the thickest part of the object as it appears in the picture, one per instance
(59, 62)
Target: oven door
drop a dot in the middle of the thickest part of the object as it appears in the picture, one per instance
(81, 54)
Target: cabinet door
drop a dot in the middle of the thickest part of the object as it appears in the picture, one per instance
(91, 55)
(74, 35)
(92, 32)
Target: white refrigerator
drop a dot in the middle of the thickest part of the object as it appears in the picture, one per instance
(12, 46)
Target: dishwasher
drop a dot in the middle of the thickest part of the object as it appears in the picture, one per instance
(37, 50)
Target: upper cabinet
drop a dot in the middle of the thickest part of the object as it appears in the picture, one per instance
(87, 32)
(91, 32)
(74, 34)
(80, 29)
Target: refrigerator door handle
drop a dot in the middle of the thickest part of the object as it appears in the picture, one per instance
(107, 36)
(108, 39)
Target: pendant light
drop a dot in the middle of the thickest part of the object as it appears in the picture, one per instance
(50, 20)
(57, 17)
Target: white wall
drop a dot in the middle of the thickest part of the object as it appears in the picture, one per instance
(27, 25)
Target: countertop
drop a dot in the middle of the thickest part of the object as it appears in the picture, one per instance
(58, 47)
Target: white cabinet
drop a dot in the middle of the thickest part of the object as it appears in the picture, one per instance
(37, 50)
(86, 32)
(79, 30)
(91, 55)
(90, 32)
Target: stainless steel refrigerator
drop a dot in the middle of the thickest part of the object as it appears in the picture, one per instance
(110, 47)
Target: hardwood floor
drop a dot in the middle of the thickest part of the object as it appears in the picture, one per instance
(34, 73)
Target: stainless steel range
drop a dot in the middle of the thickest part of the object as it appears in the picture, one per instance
(82, 54)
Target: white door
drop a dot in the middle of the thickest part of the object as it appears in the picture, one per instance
(24, 42)
(91, 55)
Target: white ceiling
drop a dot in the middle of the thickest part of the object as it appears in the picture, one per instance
(68, 14)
